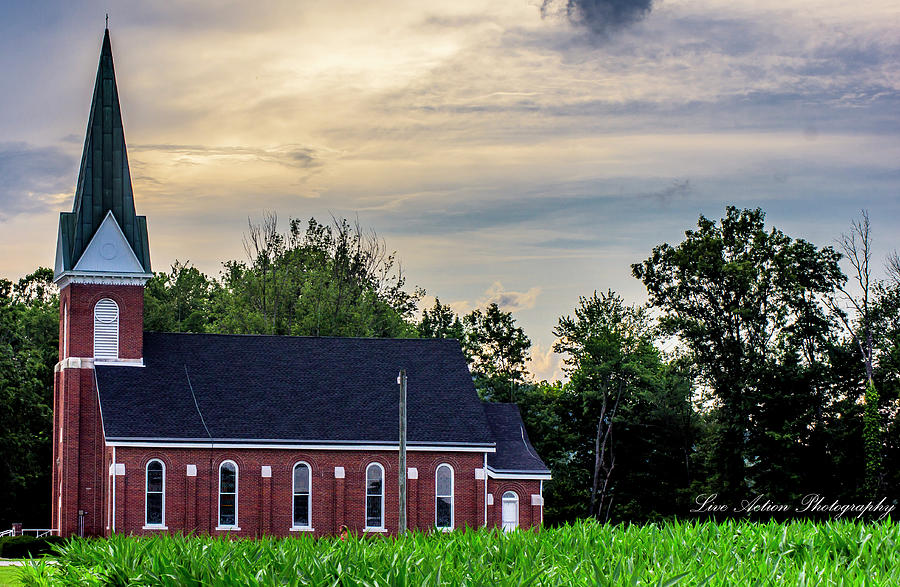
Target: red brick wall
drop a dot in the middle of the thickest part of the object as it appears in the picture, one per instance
(529, 515)
(265, 504)
(78, 476)
(79, 470)
(79, 299)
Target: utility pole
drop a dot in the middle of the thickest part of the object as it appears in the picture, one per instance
(401, 379)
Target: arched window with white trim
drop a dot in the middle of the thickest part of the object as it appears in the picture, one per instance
(302, 492)
(374, 497)
(228, 494)
(510, 511)
(155, 494)
(106, 329)
(443, 497)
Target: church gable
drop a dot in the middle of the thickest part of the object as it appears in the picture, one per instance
(109, 251)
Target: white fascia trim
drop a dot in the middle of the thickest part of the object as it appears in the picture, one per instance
(120, 362)
(256, 446)
(517, 475)
(74, 363)
(97, 278)
(90, 363)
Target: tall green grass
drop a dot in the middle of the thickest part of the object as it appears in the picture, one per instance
(587, 553)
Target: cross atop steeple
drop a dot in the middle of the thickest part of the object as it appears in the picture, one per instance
(104, 184)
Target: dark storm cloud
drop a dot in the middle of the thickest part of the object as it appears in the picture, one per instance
(31, 176)
(600, 17)
(677, 189)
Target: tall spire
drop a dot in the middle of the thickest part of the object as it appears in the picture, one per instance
(104, 180)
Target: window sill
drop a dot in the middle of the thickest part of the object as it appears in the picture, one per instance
(155, 527)
(444, 528)
(301, 529)
(229, 528)
(375, 530)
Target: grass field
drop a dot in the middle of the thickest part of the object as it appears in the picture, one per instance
(9, 577)
(689, 553)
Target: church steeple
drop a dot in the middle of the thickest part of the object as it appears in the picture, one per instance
(103, 190)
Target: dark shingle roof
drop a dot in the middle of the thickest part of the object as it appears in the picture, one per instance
(285, 388)
(514, 450)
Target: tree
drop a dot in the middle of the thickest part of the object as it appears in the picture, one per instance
(29, 348)
(497, 350)
(322, 281)
(631, 407)
(893, 267)
(178, 301)
(857, 247)
(733, 293)
(441, 322)
(885, 319)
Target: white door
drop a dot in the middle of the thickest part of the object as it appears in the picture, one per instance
(510, 511)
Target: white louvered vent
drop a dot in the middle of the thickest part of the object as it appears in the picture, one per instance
(106, 329)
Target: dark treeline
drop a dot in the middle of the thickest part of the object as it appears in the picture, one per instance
(779, 376)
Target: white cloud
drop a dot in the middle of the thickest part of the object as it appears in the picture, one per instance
(544, 364)
(509, 301)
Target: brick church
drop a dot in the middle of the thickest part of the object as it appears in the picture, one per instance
(251, 435)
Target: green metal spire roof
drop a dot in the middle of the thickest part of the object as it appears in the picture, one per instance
(104, 181)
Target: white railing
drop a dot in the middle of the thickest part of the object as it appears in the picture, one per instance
(38, 532)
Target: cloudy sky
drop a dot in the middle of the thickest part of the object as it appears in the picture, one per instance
(517, 151)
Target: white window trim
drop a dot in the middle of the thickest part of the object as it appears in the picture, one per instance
(451, 496)
(148, 525)
(115, 325)
(380, 527)
(237, 475)
(294, 527)
(514, 499)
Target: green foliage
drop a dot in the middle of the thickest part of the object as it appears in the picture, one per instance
(178, 301)
(440, 322)
(625, 416)
(497, 350)
(322, 281)
(29, 343)
(495, 347)
(27, 546)
(740, 298)
(873, 440)
(586, 553)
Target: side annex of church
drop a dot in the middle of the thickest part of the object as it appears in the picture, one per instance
(251, 435)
